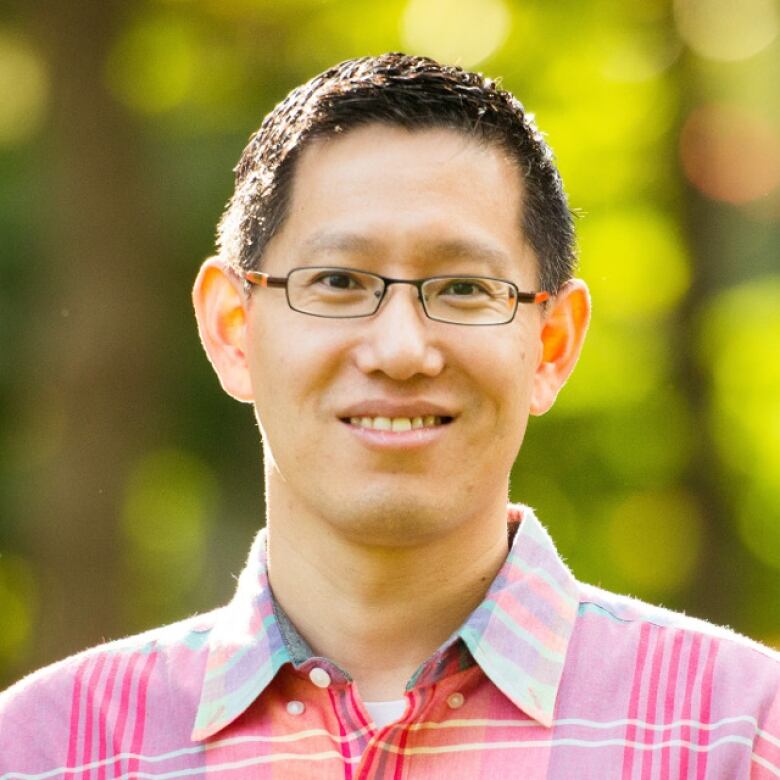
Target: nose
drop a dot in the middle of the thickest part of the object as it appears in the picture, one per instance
(398, 340)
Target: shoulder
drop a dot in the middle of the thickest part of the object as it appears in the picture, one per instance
(166, 644)
(41, 714)
(635, 615)
(652, 646)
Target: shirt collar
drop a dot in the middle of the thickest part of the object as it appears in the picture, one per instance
(246, 649)
(519, 634)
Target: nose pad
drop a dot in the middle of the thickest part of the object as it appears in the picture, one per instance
(387, 301)
(417, 289)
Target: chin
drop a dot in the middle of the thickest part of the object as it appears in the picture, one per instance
(393, 521)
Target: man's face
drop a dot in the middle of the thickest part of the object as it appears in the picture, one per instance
(405, 205)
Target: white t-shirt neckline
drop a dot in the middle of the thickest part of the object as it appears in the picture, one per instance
(384, 712)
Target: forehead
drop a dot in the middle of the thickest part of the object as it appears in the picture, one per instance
(406, 196)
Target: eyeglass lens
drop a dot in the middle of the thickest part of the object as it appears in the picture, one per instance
(338, 292)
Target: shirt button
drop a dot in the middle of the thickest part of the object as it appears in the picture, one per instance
(295, 707)
(455, 700)
(319, 677)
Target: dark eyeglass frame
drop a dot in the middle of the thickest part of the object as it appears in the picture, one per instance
(261, 279)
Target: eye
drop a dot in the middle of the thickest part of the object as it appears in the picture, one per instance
(464, 288)
(338, 280)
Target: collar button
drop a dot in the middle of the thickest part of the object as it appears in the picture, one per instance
(319, 677)
(455, 700)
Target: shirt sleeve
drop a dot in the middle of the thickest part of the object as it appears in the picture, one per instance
(35, 718)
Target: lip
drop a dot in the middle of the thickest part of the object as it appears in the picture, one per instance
(396, 408)
(398, 440)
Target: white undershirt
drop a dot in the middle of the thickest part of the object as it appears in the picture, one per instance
(384, 712)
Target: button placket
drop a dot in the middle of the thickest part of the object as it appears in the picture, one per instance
(296, 707)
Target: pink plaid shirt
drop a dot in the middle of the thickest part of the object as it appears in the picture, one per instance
(548, 678)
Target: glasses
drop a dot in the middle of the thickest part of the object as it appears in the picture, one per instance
(343, 293)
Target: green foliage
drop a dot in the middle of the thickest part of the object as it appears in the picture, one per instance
(657, 472)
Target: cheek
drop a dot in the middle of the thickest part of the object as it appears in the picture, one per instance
(291, 376)
(507, 387)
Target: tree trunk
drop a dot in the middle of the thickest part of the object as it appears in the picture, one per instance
(94, 323)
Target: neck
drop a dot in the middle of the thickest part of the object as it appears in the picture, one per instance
(380, 611)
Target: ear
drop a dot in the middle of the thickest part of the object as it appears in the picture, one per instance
(562, 336)
(220, 309)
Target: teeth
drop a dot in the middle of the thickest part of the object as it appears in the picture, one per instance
(396, 423)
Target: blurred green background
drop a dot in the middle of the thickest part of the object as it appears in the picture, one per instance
(130, 484)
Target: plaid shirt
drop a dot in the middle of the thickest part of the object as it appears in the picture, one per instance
(548, 678)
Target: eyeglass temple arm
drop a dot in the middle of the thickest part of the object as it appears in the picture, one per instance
(265, 280)
(533, 297)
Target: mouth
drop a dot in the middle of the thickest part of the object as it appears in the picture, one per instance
(398, 424)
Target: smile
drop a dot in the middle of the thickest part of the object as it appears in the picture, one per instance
(398, 424)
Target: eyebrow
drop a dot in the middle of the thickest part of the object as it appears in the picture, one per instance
(339, 242)
(453, 249)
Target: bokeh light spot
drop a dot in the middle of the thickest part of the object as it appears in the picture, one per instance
(17, 597)
(758, 524)
(168, 511)
(740, 331)
(654, 540)
(726, 29)
(168, 503)
(151, 67)
(643, 52)
(24, 85)
(620, 367)
(729, 154)
(456, 31)
(635, 262)
(605, 134)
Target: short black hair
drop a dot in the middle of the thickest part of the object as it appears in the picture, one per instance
(411, 92)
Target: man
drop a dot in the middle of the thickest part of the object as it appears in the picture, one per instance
(393, 293)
